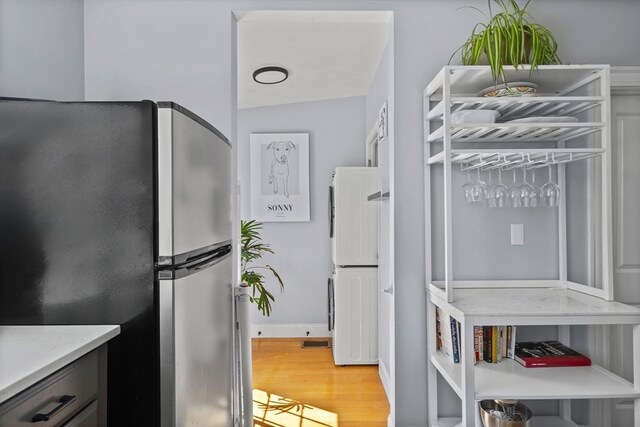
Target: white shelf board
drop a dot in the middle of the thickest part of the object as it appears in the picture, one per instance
(515, 132)
(469, 80)
(451, 372)
(509, 379)
(542, 421)
(447, 422)
(511, 107)
(537, 306)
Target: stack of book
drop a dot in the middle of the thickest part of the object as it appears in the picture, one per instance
(494, 343)
(491, 343)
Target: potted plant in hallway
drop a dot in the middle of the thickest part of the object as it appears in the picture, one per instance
(251, 250)
(508, 38)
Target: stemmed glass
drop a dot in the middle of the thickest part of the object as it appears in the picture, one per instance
(550, 193)
(525, 190)
(467, 187)
(499, 194)
(479, 191)
(491, 202)
(535, 195)
(514, 193)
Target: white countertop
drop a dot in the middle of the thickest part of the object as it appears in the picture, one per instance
(29, 354)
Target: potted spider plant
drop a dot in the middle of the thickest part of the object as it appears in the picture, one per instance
(252, 248)
(508, 38)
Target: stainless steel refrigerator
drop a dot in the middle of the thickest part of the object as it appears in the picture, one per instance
(119, 213)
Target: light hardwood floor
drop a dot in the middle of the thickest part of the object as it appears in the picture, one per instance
(296, 387)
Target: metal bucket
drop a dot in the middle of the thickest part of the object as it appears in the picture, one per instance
(518, 414)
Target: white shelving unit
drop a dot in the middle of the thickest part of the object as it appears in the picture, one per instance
(565, 90)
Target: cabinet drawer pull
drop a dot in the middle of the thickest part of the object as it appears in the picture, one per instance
(64, 401)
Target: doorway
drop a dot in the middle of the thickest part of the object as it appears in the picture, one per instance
(338, 77)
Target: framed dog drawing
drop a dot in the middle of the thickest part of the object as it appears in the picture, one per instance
(279, 176)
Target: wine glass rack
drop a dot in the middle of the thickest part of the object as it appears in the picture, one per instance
(576, 90)
(536, 140)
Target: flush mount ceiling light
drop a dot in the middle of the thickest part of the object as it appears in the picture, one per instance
(270, 75)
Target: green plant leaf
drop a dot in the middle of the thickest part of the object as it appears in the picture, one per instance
(252, 249)
(507, 37)
(277, 276)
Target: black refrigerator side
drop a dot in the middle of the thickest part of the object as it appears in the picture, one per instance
(77, 220)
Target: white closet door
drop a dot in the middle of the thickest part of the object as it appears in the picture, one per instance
(625, 118)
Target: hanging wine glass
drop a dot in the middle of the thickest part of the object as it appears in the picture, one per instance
(479, 193)
(467, 188)
(550, 193)
(525, 190)
(514, 193)
(499, 195)
(535, 195)
(491, 201)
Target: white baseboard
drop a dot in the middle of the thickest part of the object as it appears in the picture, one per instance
(385, 378)
(386, 385)
(290, 331)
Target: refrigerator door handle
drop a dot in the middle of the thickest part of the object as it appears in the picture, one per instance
(165, 262)
(330, 308)
(201, 263)
(332, 212)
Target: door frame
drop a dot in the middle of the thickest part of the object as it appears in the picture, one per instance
(625, 80)
(390, 388)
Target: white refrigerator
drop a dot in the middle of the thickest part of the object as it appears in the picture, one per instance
(353, 285)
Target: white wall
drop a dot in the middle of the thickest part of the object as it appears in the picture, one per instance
(180, 50)
(168, 50)
(303, 255)
(42, 49)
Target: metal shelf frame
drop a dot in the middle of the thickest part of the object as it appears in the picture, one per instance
(479, 306)
(450, 87)
(505, 159)
(454, 88)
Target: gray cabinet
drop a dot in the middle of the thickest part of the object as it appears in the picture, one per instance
(74, 396)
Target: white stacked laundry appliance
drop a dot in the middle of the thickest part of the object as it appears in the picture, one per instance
(353, 286)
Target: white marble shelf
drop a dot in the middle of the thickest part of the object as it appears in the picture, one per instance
(505, 379)
(542, 421)
(29, 354)
(532, 306)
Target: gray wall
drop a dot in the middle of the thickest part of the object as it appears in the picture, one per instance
(481, 236)
(167, 50)
(42, 49)
(303, 254)
(181, 50)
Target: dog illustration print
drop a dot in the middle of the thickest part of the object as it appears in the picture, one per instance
(279, 173)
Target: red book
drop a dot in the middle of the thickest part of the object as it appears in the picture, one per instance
(547, 354)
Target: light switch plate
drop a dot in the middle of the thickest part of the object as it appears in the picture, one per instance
(517, 234)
